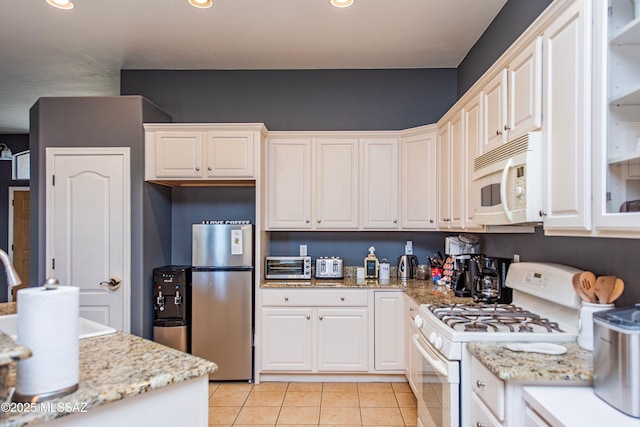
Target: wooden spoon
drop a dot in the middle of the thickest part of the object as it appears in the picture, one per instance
(588, 285)
(618, 288)
(576, 287)
(603, 288)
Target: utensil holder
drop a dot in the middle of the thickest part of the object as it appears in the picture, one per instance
(585, 322)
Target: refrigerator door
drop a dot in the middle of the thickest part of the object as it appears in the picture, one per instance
(221, 327)
(221, 245)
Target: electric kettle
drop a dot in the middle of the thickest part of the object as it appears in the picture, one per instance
(406, 264)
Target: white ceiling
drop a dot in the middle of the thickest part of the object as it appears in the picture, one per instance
(46, 51)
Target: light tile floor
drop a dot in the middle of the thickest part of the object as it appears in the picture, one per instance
(312, 404)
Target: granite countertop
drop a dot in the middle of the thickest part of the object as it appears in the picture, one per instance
(114, 367)
(422, 291)
(575, 365)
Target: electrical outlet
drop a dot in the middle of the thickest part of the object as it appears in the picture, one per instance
(303, 250)
(516, 258)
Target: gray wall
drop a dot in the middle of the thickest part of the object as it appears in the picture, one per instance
(16, 143)
(513, 19)
(101, 122)
(300, 99)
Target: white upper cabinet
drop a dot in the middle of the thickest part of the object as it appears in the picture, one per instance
(451, 162)
(567, 109)
(512, 99)
(472, 141)
(616, 119)
(444, 175)
(178, 152)
(289, 183)
(380, 183)
(337, 182)
(418, 179)
(229, 154)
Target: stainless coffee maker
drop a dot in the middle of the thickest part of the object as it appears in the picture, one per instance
(461, 249)
(489, 281)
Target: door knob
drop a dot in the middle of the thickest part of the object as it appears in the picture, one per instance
(113, 283)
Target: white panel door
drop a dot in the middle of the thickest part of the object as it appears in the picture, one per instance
(472, 141)
(444, 176)
(525, 90)
(88, 228)
(337, 183)
(380, 198)
(418, 181)
(178, 154)
(343, 339)
(230, 154)
(287, 340)
(389, 331)
(494, 104)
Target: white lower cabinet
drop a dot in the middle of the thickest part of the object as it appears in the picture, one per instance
(389, 331)
(315, 331)
(410, 328)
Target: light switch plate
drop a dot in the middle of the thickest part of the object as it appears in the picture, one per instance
(303, 250)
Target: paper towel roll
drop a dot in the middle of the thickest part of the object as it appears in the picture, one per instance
(48, 326)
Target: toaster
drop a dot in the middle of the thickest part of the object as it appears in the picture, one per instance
(329, 268)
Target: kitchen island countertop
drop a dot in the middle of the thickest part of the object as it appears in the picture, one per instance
(575, 365)
(422, 291)
(115, 367)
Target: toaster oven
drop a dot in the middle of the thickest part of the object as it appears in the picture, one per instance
(287, 267)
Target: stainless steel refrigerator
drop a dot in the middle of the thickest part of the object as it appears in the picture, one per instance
(222, 298)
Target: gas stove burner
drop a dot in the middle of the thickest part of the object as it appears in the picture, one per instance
(492, 318)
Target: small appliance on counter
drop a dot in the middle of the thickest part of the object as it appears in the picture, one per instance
(406, 266)
(287, 267)
(489, 283)
(171, 306)
(616, 358)
(329, 268)
(460, 250)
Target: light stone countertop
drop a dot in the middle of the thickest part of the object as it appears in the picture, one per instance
(114, 367)
(575, 365)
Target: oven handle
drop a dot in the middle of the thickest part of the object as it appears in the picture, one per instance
(436, 364)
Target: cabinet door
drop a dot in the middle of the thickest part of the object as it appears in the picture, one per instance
(178, 154)
(457, 162)
(472, 143)
(337, 183)
(568, 136)
(343, 339)
(525, 90)
(289, 184)
(230, 154)
(287, 339)
(494, 103)
(444, 176)
(389, 331)
(418, 181)
(380, 198)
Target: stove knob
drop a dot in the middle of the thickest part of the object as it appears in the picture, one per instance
(418, 321)
(438, 343)
(432, 338)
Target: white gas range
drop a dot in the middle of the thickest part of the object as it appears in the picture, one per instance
(544, 309)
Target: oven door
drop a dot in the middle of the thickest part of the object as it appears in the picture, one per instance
(438, 385)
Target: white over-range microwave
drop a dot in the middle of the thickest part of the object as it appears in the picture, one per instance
(507, 185)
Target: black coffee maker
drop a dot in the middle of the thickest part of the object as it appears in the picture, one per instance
(464, 271)
(489, 282)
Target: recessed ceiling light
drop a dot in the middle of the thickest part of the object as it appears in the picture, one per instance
(61, 4)
(341, 3)
(202, 4)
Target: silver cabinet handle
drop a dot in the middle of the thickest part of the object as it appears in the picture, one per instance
(197, 168)
(542, 213)
(209, 168)
(430, 221)
(341, 298)
(307, 221)
(480, 384)
(507, 127)
(319, 221)
(395, 221)
(320, 317)
(411, 310)
(286, 298)
(308, 317)
(479, 424)
(113, 283)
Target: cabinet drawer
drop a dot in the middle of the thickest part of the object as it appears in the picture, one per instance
(488, 387)
(303, 297)
(480, 415)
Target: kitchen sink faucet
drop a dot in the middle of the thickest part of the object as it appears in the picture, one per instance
(12, 276)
